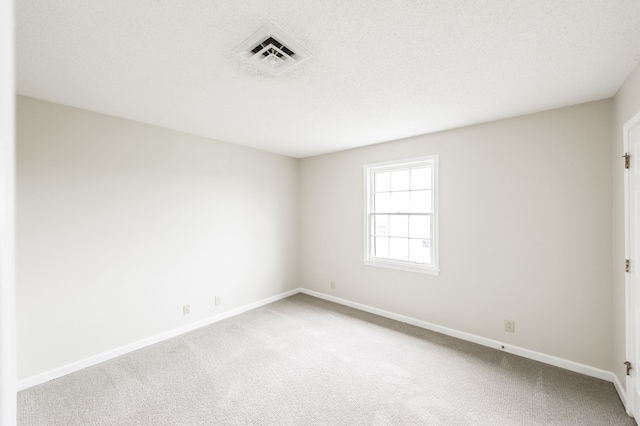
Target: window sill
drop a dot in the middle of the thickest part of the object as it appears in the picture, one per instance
(402, 267)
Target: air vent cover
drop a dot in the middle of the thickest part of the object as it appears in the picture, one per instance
(271, 50)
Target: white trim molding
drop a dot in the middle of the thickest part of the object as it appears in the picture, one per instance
(7, 218)
(621, 392)
(526, 353)
(122, 350)
(630, 329)
(516, 350)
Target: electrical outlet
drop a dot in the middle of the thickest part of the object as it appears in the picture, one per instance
(218, 300)
(186, 309)
(333, 285)
(510, 326)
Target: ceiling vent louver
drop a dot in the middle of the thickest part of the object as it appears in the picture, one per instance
(271, 50)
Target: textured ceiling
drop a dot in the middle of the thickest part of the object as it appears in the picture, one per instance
(381, 70)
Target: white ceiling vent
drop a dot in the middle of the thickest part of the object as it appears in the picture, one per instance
(271, 50)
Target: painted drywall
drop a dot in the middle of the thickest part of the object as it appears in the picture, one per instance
(121, 223)
(525, 232)
(626, 104)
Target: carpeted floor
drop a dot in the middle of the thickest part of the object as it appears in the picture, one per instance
(306, 361)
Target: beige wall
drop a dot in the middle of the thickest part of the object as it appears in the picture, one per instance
(626, 103)
(121, 223)
(525, 232)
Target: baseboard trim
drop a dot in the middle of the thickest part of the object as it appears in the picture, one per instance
(621, 392)
(516, 350)
(105, 356)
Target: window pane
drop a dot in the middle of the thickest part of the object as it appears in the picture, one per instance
(421, 178)
(420, 226)
(420, 201)
(382, 181)
(399, 226)
(400, 180)
(400, 208)
(380, 247)
(381, 225)
(398, 249)
(400, 202)
(420, 251)
(382, 202)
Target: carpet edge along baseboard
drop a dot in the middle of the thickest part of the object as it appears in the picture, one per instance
(516, 350)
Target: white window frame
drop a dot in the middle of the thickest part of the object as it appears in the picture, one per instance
(369, 170)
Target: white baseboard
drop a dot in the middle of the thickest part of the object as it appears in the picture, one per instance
(516, 350)
(526, 353)
(621, 392)
(105, 356)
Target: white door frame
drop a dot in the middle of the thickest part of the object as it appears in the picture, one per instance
(7, 202)
(630, 313)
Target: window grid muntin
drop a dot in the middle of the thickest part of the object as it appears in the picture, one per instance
(372, 232)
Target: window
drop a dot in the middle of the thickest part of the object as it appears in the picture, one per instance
(402, 214)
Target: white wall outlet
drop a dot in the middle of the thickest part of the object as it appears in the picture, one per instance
(333, 285)
(218, 300)
(510, 326)
(186, 309)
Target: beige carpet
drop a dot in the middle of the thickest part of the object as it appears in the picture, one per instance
(305, 361)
